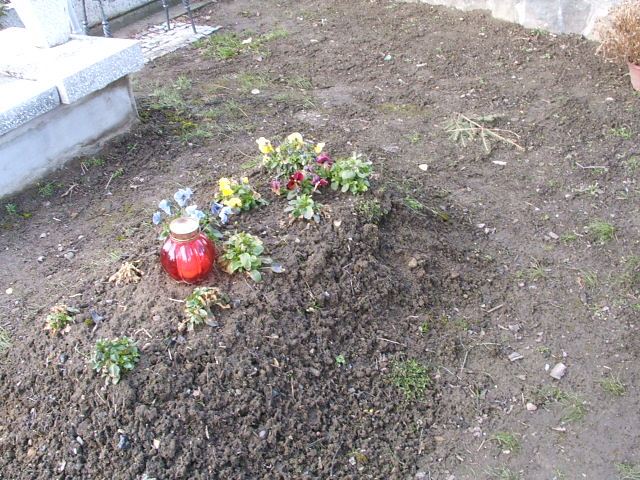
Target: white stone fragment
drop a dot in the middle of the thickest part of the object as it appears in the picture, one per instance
(558, 371)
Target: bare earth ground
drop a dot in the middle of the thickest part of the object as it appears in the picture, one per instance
(479, 256)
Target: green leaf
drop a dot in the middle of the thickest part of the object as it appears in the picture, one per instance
(347, 174)
(345, 188)
(256, 276)
(245, 260)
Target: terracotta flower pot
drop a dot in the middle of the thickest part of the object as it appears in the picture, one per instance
(634, 73)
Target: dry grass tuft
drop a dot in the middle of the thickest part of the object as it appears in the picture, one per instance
(619, 33)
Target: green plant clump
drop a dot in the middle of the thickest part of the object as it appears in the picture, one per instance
(60, 318)
(198, 306)
(113, 358)
(601, 232)
(304, 206)
(243, 251)
(371, 211)
(351, 174)
(412, 378)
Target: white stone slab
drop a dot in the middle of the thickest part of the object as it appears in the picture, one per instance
(46, 21)
(78, 68)
(24, 100)
(48, 141)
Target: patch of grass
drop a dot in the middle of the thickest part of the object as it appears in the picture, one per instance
(94, 162)
(568, 237)
(502, 473)
(298, 81)
(575, 407)
(402, 108)
(633, 163)
(172, 96)
(411, 377)
(413, 204)
(622, 132)
(249, 81)
(589, 279)
(506, 441)
(370, 211)
(601, 232)
(630, 275)
(613, 385)
(539, 32)
(413, 137)
(628, 471)
(5, 340)
(47, 190)
(227, 45)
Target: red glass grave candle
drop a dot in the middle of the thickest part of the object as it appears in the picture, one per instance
(187, 254)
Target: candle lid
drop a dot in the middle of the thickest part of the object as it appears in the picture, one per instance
(184, 228)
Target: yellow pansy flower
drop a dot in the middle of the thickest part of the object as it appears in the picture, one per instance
(233, 202)
(244, 180)
(224, 182)
(318, 148)
(296, 138)
(264, 145)
(226, 190)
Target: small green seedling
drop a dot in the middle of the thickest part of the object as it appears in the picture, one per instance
(304, 207)
(198, 307)
(243, 251)
(113, 358)
(46, 190)
(502, 473)
(412, 378)
(11, 209)
(60, 319)
(5, 340)
(341, 360)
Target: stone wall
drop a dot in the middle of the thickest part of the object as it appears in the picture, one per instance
(557, 16)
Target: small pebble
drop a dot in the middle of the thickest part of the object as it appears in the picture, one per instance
(553, 235)
(124, 443)
(531, 407)
(515, 356)
(255, 91)
(558, 371)
(262, 434)
(9, 291)
(412, 263)
(69, 255)
(43, 235)
(41, 258)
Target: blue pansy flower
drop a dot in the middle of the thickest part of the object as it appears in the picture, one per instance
(216, 207)
(192, 211)
(182, 195)
(157, 217)
(165, 206)
(224, 214)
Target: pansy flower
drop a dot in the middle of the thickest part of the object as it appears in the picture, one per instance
(157, 217)
(295, 180)
(192, 211)
(275, 187)
(233, 202)
(324, 160)
(224, 214)
(318, 148)
(296, 139)
(318, 182)
(182, 195)
(165, 206)
(264, 145)
(216, 207)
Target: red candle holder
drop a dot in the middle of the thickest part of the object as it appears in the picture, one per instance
(187, 254)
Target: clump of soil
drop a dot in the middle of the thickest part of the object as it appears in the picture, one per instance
(457, 258)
